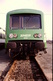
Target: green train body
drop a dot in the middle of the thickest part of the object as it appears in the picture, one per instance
(25, 31)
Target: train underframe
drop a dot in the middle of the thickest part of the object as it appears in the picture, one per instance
(24, 48)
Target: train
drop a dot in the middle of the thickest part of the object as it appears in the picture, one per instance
(25, 32)
(2, 36)
(2, 41)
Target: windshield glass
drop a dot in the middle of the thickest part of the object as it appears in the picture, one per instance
(25, 21)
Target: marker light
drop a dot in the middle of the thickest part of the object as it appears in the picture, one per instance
(14, 35)
(36, 35)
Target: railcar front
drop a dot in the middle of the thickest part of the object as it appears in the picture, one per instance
(25, 32)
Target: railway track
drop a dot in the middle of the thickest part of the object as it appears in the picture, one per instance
(25, 70)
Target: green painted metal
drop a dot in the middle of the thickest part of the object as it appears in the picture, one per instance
(23, 11)
(24, 34)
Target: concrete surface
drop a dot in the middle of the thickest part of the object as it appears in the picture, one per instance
(4, 61)
(45, 62)
(2, 40)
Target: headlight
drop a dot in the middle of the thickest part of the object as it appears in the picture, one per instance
(10, 35)
(37, 35)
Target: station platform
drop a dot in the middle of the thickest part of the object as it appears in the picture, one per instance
(2, 40)
(45, 62)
